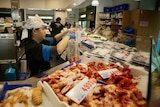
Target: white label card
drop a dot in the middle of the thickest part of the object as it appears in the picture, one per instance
(107, 73)
(81, 90)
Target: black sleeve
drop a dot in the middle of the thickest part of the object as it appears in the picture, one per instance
(62, 26)
(55, 41)
(34, 53)
(54, 51)
(51, 24)
(45, 42)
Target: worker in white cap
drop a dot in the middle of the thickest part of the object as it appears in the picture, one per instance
(39, 55)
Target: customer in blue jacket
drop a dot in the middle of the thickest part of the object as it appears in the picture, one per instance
(39, 55)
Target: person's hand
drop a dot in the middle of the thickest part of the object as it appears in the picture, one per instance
(74, 58)
(112, 32)
(72, 36)
(72, 30)
(68, 31)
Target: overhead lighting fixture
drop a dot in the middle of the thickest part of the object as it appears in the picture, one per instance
(38, 9)
(95, 3)
(69, 9)
(43, 17)
(74, 4)
(83, 16)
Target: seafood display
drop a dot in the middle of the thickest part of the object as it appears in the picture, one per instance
(25, 97)
(37, 96)
(115, 86)
(18, 97)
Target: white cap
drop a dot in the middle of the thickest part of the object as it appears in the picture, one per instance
(32, 23)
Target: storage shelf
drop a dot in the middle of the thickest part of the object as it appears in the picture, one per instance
(105, 18)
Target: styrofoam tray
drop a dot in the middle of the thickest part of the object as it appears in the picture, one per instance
(28, 92)
(137, 72)
(52, 97)
(96, 38)
(122, 55)
(141, 58)
(142, 75)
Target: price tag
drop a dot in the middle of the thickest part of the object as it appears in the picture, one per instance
(107, 73)
(81, 90)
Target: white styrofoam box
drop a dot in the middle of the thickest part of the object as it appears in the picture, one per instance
(53, 97)
(139, 72)
(142, 75)
(28, 92)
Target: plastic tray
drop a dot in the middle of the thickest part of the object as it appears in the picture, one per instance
(52, 96)
(141, 58)
(7, 87)
(87, 45)
(96, 38)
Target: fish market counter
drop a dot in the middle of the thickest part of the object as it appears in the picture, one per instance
(58, 84)
(33, 80)
(106, 52)
(155, 91)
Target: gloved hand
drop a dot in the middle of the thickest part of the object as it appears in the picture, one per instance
(72, 30)
(72, 36)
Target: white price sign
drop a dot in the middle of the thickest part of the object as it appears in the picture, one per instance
(107, 73)
(81, 90)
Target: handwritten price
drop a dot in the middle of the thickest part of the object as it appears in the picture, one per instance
(87, 85)
(116, 72)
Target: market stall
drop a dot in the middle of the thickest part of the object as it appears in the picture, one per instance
(81, 77)
(72, 74)
(98, 46)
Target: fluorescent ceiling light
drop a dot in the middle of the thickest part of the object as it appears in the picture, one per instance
(69, 9)
(42, 17)
(95, 3)
(46, 17)
(38, 9)
(74, 4)
(83, 16)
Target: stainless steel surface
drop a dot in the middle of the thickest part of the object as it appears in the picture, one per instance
(33, 80)
(7, 60)
(7, 46)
